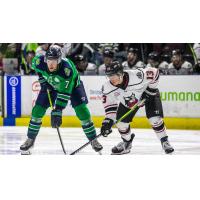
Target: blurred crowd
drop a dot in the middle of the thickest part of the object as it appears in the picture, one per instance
(92, 58)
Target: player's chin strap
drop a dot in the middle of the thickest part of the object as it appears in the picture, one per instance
(59, 135)
(136, 106)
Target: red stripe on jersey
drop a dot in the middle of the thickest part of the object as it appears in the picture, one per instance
(156, 76)
(111, 105)
(161, 130)
(110, 113)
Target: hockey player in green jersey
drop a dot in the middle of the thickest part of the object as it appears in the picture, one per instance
(60, 77)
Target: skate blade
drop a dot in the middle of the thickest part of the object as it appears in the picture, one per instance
(28, 152)
(25, 152)
(122, 153)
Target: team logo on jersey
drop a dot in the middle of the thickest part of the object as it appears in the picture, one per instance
(50, 80)
(139, 75)
(67, 72)
(131, 100)
(53, 81)
(116, 94)
(56, 80)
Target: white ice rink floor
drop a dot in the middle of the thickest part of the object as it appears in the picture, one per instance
(145, 142)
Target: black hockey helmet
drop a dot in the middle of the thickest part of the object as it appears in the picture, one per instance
(188, 57)
(80, 62)
(114, 68)
(154, 56)
(166, 57)
(79, 58)
(176, 52)
(54, 53)
(133, 50)
(108, 52)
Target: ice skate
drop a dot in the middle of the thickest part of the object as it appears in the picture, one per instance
(96, 146)
(167, 147)
(27, 146)
(123, 147)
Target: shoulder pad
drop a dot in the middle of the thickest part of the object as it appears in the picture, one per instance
(140, 64)
(38, 62)
(186, 64)
(170, 66)
(67, 66)
(136, 76)
(65, 62)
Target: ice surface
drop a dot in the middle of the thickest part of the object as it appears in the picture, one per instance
(145, 142)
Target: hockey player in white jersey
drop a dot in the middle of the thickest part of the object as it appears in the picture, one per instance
(83, 66)
(164, 64)
(178, 66)
(153, 60)
(133, 61)
(108, 56)
(123, 90)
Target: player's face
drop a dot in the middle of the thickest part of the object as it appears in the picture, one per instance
(82, 65)
(150, 61)
(45, 46)
(176, 59)
(115, 79)
(52, 65)
(107, 60)
(131, 57)
(153, 63)
(29, 57)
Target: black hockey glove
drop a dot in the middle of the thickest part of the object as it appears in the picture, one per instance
(106, 127)
(45, 86)
(56, 118)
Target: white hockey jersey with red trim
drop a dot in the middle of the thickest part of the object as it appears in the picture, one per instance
(138, 81)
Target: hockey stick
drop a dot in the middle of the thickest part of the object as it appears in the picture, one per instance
(61, 142)
(136, 106)
(193, 54)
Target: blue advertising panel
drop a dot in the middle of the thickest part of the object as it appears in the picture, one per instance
(13, 96)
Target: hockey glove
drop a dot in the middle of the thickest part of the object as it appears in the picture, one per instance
(45, 86)
(106, 127)
(56, 118)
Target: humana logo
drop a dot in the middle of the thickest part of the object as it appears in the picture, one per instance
(180, 96)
